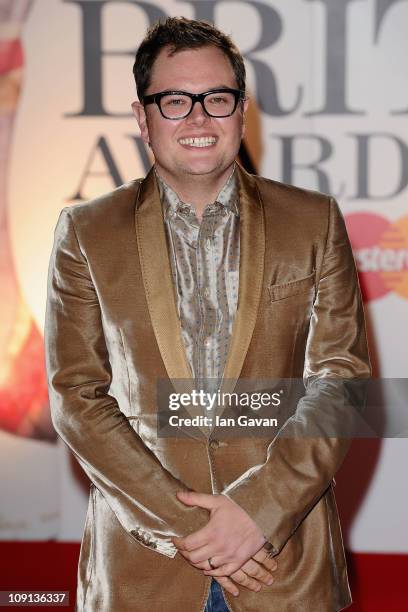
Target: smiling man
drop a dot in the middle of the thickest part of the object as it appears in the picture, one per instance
(193, 153)
(201, 271)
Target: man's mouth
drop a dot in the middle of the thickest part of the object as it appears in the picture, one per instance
(204, 141)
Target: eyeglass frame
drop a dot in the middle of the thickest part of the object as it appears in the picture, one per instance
(239, 95)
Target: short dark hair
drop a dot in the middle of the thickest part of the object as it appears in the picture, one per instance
(179, 33)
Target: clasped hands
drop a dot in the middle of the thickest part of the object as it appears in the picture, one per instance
(231, 540)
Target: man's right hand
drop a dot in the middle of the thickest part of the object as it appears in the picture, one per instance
(252, 575)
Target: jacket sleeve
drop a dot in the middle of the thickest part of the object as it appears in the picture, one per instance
(311, 445)
(138, 489)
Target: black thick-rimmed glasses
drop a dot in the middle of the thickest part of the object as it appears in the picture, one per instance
(179, 104)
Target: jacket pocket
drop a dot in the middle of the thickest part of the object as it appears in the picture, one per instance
(285, 290)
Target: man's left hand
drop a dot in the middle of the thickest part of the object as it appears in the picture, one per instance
(229, 539)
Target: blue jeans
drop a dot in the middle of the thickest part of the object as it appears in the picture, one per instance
(215, 601)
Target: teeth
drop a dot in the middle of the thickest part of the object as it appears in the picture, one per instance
(206, 141)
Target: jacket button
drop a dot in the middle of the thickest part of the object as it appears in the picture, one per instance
(214, 444)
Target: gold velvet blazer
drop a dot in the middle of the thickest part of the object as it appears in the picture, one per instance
(112, 330)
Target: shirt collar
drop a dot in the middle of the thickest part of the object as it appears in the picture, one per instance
(227, 197)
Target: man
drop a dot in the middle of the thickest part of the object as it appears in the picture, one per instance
(201, 271)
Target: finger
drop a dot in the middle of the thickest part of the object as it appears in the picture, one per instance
(246, 581)
(223, 570)
(204, 565)
(191, 498)
(228, 585)
(269, 562)
(200, 555)
(262, 556)
(255, 570)
(194, 540)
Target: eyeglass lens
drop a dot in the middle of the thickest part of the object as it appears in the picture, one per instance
(217, 104)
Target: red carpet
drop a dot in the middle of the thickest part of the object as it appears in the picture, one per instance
(378, 582)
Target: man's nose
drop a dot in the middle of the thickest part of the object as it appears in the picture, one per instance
(198, 116)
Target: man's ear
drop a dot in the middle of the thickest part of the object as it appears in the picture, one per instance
(140, 114)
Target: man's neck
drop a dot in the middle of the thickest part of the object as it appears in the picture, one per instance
(197, 190)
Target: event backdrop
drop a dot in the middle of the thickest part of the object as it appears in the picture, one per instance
(329, 109)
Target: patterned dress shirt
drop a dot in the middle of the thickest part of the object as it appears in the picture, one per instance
(204, 259)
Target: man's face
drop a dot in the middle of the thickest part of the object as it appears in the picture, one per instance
(193, 71)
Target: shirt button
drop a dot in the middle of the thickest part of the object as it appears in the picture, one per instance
(207, 342)
(214, 444)
(207, 292)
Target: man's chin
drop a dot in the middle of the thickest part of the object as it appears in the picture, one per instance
(206, 169)
(198, 168)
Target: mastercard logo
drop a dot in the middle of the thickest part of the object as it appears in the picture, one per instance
(381, 253)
